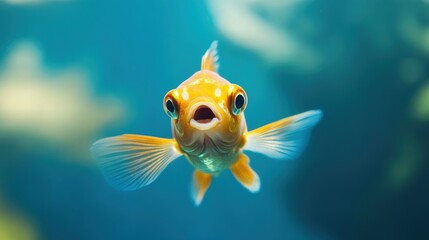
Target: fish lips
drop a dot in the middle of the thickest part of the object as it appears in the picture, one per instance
(204, 116)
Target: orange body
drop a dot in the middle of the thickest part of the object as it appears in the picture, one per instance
(209, 129)
(206, 131)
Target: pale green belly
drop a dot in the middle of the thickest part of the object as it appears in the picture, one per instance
(212, 162)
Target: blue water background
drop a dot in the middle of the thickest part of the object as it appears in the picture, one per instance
(136, 51)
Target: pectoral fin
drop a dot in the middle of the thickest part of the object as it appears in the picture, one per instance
(245, 174)
(200, 183)
(210, 58)
(285, 138)
(130, 162)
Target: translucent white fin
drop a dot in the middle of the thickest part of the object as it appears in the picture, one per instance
(283, 139)
(245, 174)
(200, 183)
(210, 58)
(130, 162)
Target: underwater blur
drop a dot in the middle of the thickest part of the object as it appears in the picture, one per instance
(73, 71)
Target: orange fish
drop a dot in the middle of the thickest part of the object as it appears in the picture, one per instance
(209, 129)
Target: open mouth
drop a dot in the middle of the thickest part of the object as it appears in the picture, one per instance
(204, 117)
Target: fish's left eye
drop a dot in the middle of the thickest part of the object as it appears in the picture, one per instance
(238, 103)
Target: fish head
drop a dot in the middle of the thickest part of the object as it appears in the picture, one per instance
(206, 104)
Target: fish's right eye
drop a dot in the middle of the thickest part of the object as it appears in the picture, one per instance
(170, 108)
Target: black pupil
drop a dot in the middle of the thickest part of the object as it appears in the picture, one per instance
(170, 106)
(239, 101)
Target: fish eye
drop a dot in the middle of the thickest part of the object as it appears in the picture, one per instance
(239, 100)
(239, 103)
(170, 108)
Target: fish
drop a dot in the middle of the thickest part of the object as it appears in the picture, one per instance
(209, 129)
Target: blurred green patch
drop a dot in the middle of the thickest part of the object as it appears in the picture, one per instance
(421, 104)
(14, 226)
(410, 70)
(405, 166)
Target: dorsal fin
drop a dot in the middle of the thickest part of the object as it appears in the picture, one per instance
(210, 58)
